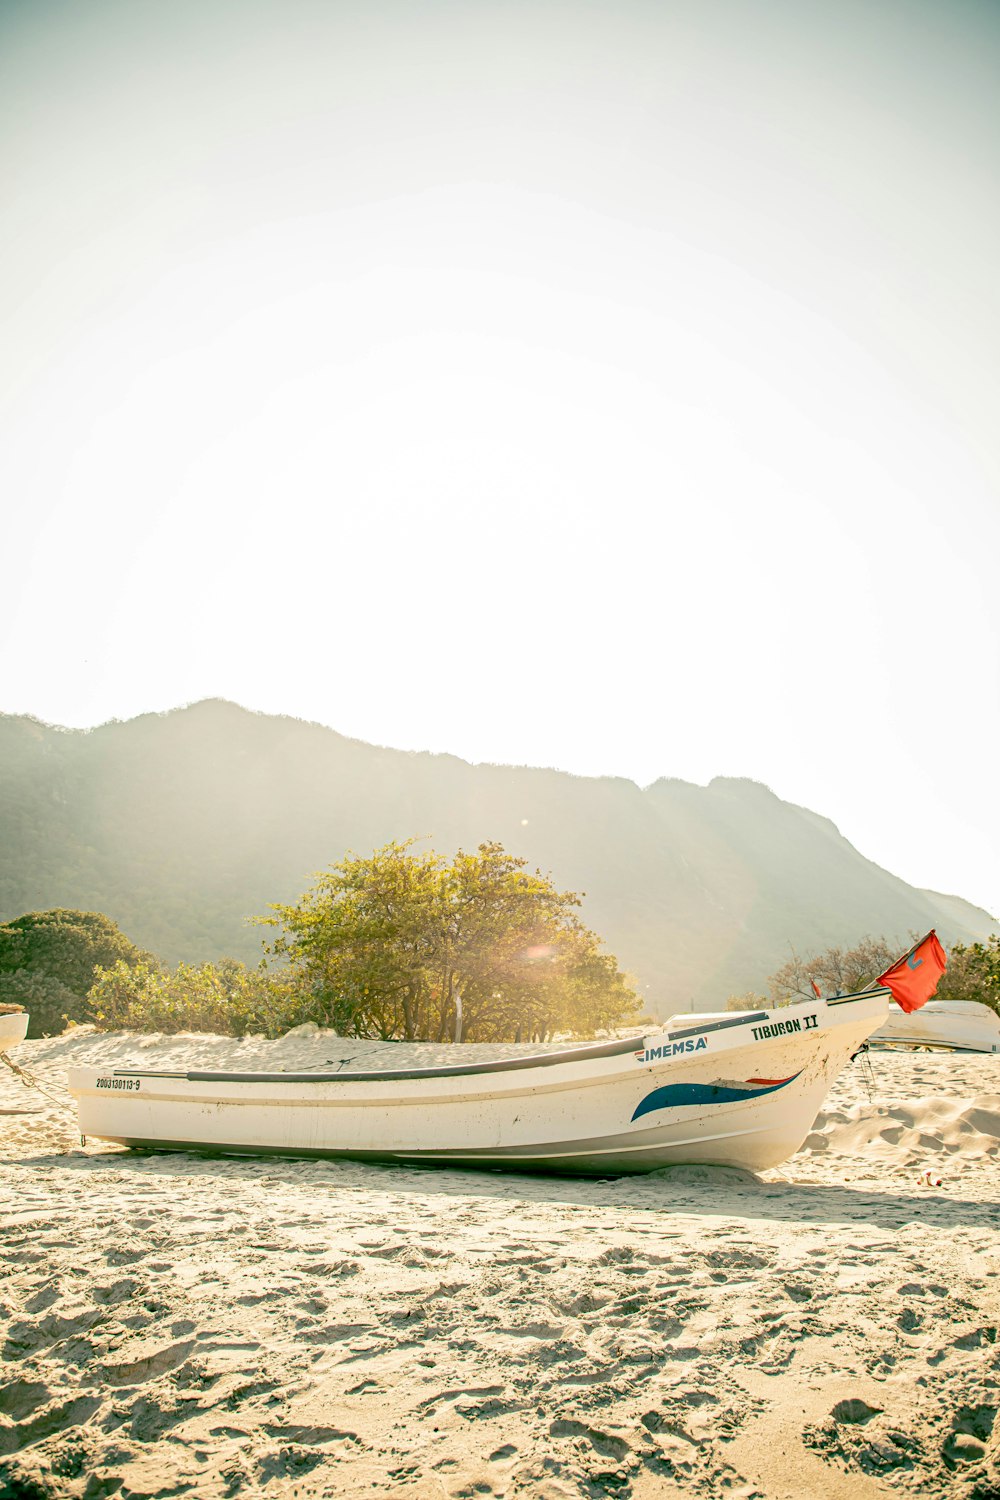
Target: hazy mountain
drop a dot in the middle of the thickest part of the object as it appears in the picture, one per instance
(179, 825)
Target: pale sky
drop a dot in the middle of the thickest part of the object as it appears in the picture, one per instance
(606, 386)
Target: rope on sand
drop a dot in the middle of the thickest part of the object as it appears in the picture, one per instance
(32, 1082)
(864, 1060)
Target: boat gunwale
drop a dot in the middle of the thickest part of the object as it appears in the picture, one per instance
(379, 1075)
(617, 1048)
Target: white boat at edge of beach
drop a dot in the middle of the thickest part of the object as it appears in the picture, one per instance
(947, 1025)
(738, 1089)
(13, 1028)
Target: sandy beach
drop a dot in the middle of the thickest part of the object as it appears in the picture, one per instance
(220, 1327)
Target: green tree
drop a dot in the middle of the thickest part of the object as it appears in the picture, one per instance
(386, 945)
(837, 970)
(48, 1002)
(225, 998)
(751, 1000)
(48, 960)
(973, 973)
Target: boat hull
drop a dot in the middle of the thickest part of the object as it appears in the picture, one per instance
(741, 1091)
(13, 1028)
(949, 1025)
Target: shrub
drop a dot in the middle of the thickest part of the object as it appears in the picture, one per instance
(750, 1001)
(48, 960)
(225, 998)
(49, 1003)
(973, 973)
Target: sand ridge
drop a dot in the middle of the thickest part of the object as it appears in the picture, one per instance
(220, 1327)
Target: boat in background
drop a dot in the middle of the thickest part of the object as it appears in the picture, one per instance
(13, 1025)
(947, 1025)
(741, 1089)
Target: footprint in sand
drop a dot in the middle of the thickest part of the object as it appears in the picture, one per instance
(972, 1428)
(606, 1443)
(500, 1455)
(21, 1397)
(148, 1366)
(854, 1411)
(50, 1420)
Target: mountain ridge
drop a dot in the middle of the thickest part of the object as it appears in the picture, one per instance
(181, 824)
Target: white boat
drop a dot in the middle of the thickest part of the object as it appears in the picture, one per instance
(951, 1025)
(13, 1027)
(739, 1089)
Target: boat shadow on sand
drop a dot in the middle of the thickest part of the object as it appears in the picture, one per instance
(712, 1191)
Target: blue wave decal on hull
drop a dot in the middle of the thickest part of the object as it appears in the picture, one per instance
(673, 1095)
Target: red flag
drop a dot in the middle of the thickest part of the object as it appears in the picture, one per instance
(819, 992)
(916, 976)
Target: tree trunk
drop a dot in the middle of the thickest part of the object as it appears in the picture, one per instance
(409, 1019)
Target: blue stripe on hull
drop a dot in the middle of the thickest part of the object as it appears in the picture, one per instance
(673, 1095)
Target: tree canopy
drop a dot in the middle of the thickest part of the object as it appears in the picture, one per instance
(837, 970)
(48, 960)
(224, 997)
(387, 945)
(973, 973)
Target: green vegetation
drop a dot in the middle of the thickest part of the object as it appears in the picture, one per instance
(48, 960)
(837, 970)
(389, 945)
(750, 1001)
(973, 973)
(226, 998)
(384, 946)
